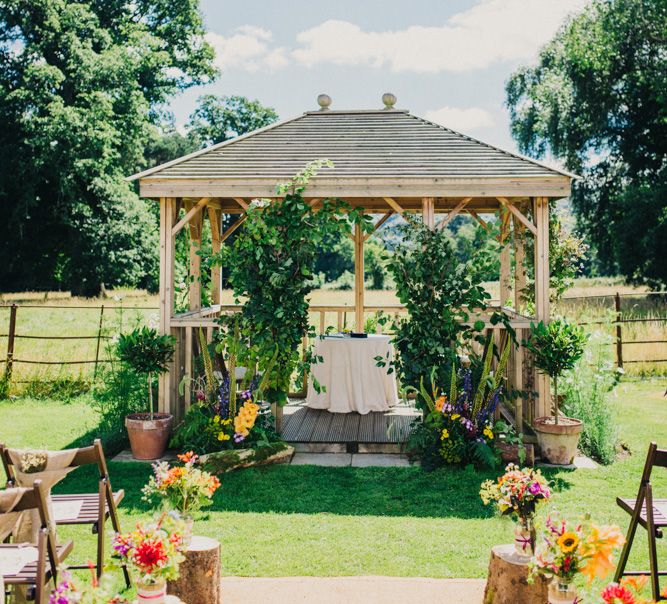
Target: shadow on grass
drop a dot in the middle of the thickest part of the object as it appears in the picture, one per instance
(445, 493)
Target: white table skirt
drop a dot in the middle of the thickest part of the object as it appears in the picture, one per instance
(351, 377)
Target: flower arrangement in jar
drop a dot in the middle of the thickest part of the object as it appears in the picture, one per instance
(567, 549)
(517, 493)
(184, 489)
(153, 552)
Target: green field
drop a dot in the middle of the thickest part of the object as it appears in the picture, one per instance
(67, 316)
(305, 520)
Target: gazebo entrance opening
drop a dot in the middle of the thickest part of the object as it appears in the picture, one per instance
(387, 162)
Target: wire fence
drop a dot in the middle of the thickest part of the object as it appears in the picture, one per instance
(625, 346)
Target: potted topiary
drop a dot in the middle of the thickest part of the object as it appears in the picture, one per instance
(149, 353)
(556, 347)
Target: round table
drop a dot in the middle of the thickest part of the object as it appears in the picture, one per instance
(350, 377)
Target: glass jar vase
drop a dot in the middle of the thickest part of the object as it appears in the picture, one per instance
(524, 537)
(561, 592)
(152, 593)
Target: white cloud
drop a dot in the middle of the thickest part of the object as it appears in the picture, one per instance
(248, 48)
(462, 120)
(492, 31)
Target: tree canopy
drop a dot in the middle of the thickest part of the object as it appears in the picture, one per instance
(81, 85)
(597, 99)
(219, 118)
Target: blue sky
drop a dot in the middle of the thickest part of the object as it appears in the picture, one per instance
(446, 60)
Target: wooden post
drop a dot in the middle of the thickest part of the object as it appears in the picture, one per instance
(194, 287)
(99, 338)
(619, 333)
(541, 215)
(428, 212)
(167, 218)
(11, 336)
(358, 278)
(519, 263)
(187, 366)
(214, 218)
(505, 258)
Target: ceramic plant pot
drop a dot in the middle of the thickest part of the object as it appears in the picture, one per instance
(558, 442)
(148, 437)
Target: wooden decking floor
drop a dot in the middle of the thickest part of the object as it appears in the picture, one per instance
(304, 425)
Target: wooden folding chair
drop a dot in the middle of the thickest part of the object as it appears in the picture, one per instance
(36, 575)
(649, 513)
(95, 509)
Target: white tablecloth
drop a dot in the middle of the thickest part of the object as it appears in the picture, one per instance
(350, 374)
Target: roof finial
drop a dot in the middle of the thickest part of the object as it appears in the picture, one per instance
(389, 100)
(324, 101)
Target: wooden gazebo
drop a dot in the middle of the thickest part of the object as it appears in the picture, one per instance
(387, 161)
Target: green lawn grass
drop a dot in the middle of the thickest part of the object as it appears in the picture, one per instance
(305, 520)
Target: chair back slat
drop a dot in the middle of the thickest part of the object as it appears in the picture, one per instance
(660, 458)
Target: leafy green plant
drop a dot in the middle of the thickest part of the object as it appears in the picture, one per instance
(587, 396)
(556, 347)
(508, 435)
(271, 268)
(146, 352)
(439, 292)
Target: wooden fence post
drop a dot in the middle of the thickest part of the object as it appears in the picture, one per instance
(11, 335)
(619, 333)
(99, 337)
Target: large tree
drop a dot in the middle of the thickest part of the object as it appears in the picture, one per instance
(219, 118)
(597, 99)
(81, 84)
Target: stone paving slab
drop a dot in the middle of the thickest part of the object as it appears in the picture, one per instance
(356, 460)
(126, 455)
(383, 460)
(322, 459)
(351, 590)
(581, 462)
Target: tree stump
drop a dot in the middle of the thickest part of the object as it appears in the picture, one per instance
(507, 581)
(199, 579)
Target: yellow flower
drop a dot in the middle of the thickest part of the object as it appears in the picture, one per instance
(216, 420)
(488, 433)
(568, 542)
(445, 434)
(223, 436)
(456, 416)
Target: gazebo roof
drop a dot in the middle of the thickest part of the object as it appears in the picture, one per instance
(375, 153)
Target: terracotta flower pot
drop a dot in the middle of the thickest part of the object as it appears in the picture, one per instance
(148, 438)
(558, 442)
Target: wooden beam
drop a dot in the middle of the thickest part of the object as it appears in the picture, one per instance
(166, 288)
(194, 287)
(379, 223)
(479, 219)
(541, 214)
(519, 263)
(232, 228)
(358, 278)
(518, 215)
(371, 186)
(214, 217)
(189, 215)
(428, 212)
(505, 259)
(462, 204)
(242, 202)
(394, 205)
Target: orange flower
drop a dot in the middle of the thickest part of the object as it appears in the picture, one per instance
(598, 550)
(440, 403)
(188, 457)
(635, 583)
